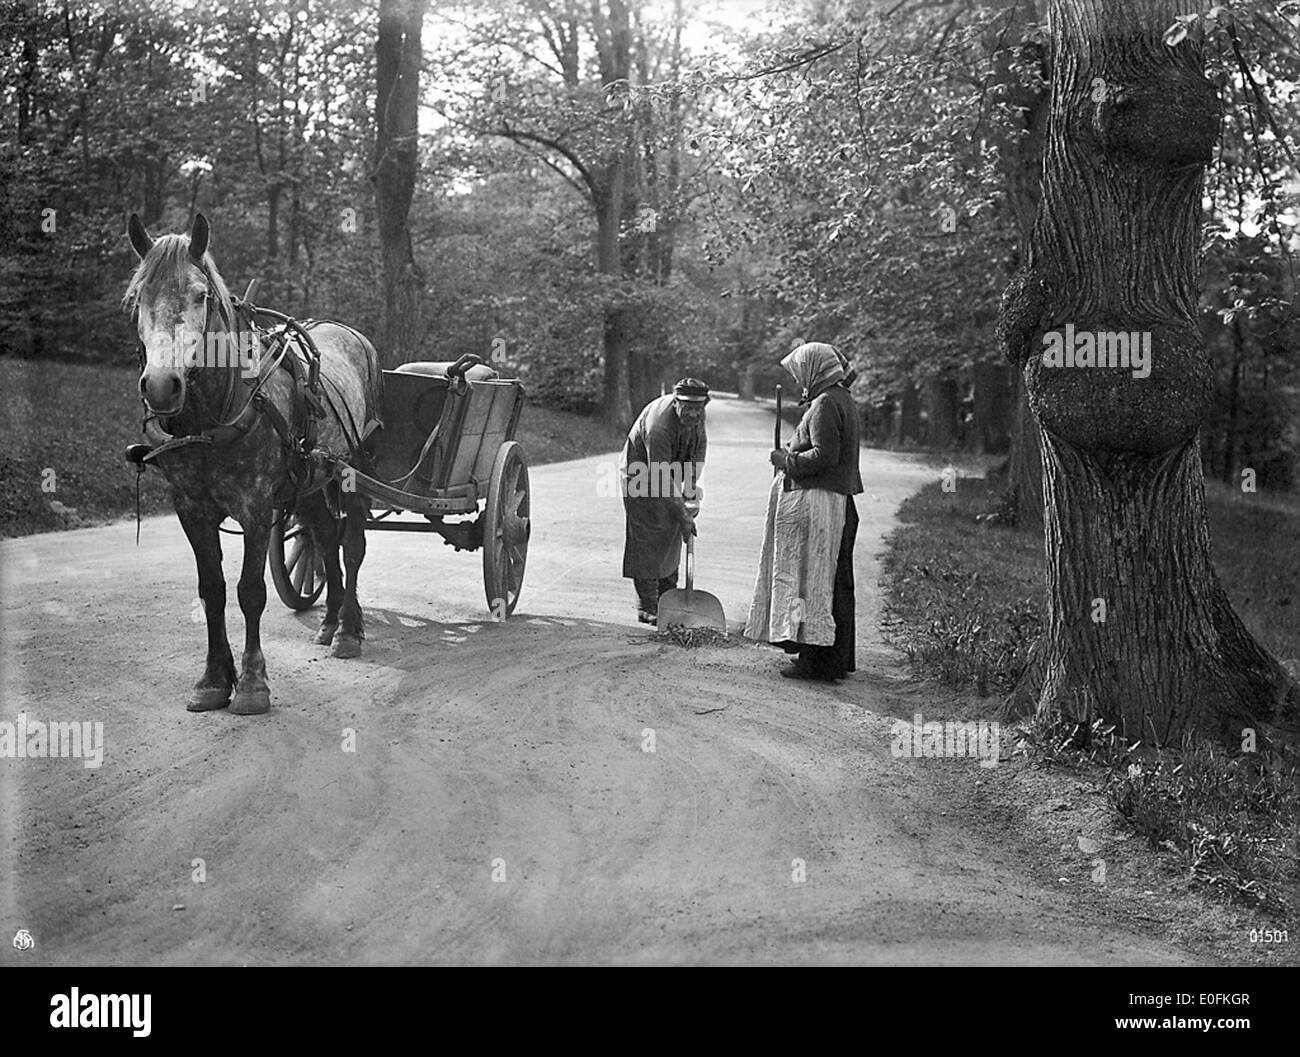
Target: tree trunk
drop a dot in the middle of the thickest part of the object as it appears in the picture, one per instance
(909, 417)
(27, 81)
(747, 383)
(1021, 161)
(618, 394)
(994, 410)
(1230, 445)
(1025, 467)
(617, 399)
(397, 81)
(155, 188)
(274, 192)
(941, 396)
(1139, 632)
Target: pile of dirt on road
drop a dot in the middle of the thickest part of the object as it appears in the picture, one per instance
(691, 638)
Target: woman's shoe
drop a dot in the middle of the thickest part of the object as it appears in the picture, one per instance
(794, 671)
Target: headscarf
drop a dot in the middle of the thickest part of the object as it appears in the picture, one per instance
(816, 366)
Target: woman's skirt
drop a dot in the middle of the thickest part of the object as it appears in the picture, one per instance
(838, 660)
(794, 593)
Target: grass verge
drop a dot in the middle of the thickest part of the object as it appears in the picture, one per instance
(964, 604)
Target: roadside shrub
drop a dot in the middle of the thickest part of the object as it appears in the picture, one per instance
(1230, 818)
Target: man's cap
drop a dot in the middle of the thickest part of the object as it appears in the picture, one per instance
(691, 389)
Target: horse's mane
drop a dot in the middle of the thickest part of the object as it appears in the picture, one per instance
(168, 261)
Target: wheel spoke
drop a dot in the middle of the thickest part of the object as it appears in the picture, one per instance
(299, 575)
(515, 573)
(295, 556)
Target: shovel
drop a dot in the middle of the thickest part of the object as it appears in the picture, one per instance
(690, 608)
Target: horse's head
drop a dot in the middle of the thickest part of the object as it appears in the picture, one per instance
(174, 293)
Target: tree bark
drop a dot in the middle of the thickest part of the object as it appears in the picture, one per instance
(1230, 445)
(617, 399)
(613, 36)
(909, 417)
(397, 82)
(27, 80)
(1139, 632)
(941, 398)
(1025, 466)
(747, 383)
(994, 410)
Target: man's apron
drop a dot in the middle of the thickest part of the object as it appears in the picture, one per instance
(652, 547)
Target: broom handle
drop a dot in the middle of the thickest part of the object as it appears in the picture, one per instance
(776, 429)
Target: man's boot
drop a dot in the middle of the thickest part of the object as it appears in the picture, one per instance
(647, 596)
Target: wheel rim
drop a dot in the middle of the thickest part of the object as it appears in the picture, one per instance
(297, 565)
(510, 530)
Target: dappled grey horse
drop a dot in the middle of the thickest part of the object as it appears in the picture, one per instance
(227, 409)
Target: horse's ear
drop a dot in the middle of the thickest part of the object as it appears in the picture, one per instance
(140, 240)
(199, 238)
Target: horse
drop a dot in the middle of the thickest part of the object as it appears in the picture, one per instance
(229, 434)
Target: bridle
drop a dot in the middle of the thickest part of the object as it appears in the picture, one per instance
(232, 334)
(310, 394)
(231, 423)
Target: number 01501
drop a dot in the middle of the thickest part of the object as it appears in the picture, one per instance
(1268, 936)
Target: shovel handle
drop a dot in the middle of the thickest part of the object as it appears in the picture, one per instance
(690, 564)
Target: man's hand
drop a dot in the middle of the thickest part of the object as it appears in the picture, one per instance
(779, 458)
(686, 522)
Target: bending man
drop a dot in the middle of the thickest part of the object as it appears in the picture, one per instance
(660, 471)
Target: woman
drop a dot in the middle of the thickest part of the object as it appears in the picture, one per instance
(803, 597)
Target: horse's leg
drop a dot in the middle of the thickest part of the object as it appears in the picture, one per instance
(218, 679)
(316, 518)
(252, 695)
(347, 643)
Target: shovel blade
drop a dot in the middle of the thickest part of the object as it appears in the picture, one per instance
(690, 609)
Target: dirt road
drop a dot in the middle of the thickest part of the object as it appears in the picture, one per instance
(499, 805)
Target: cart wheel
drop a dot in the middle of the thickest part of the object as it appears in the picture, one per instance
(297, 565)
(506, 527)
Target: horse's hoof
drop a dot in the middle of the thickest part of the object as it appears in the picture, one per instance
(207, 698)
(325, 635)
(346, 645)
(251, 702)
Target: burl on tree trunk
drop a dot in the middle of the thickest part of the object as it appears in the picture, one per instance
(1139, 630)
